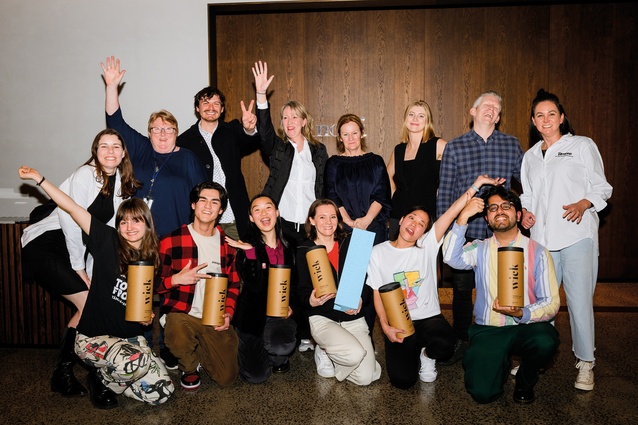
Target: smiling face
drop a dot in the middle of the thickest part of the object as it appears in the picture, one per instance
(293, 124)
(208, 207)
(487, 112)
(350, 135)
(412, 226)
(499, 219)
(325, 220)
(110, 153)
(547, 120)
(132, 230)
(415, 119)
(163, 142)
(264, 214)
(210, 109)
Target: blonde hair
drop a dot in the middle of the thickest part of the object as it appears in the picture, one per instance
(428, 131)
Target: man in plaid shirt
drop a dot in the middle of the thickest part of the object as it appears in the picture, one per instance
(482, 150)
(187, 254)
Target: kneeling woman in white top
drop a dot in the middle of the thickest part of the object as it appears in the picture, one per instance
(344, 347)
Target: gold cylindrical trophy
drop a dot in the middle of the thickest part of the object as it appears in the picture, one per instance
(396, 309)
(511, 276)
(320, 271)
(214, 305)
(278, 291)
(139, 291)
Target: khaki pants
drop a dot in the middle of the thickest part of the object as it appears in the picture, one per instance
(193, 343)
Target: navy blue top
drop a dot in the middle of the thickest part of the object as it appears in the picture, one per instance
(354, 182)
(179, 172)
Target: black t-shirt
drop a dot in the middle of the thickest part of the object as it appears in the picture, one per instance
(106, 304)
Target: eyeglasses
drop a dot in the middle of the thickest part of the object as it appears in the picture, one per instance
(505, 206)
(158, 130)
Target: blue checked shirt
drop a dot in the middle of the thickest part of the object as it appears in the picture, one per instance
(468, 156)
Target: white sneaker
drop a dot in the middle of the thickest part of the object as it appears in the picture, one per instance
(514, 370)
(325, 367)
(428, 372)
(585, 378)
(306, 345)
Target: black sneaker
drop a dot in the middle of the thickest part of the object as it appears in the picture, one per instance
(170, 361)
(460, 347)
(282, 368)
(190, 381)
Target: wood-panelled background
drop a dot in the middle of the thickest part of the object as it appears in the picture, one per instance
(373, 62)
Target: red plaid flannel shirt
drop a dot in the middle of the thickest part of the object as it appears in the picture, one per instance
(176, 250)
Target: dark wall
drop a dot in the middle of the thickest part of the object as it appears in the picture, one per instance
(373, 62)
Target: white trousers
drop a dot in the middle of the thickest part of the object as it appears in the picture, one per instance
(349, 346)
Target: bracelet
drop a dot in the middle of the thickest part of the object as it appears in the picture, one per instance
(260, 92)
(475, 188)
(43, 179)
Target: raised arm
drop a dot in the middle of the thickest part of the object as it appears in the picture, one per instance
(262, 81)
(112, 77)
(81, 216)
(444, 221)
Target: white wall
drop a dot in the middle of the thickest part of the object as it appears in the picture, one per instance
(51, 90)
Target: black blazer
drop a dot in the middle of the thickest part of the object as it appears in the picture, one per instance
(230, 143)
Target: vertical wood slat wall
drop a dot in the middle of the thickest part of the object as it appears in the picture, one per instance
(29, 314)
(373, 62)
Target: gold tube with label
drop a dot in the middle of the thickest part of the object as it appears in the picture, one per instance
(511, 276)
(214, 305)
(320, 271)
(278, 291)
(139, 291)
(396, 309)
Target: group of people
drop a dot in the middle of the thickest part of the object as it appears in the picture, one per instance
(180, 202)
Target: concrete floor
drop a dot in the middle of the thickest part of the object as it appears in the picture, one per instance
(301, 396)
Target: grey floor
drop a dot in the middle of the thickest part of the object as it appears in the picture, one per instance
(301, 396)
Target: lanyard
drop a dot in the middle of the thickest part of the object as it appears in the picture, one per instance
(158, 168)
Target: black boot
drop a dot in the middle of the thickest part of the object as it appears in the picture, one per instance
(101, 396)
(63, 381)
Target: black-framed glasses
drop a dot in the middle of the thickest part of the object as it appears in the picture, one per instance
(505, 206)
(167, 130)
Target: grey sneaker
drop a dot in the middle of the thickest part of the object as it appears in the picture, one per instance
(305, 345)
(585, 378)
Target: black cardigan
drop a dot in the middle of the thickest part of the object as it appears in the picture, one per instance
(305, 285)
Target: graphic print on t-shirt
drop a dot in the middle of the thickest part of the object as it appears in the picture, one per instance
(119, 290)
(410, 284)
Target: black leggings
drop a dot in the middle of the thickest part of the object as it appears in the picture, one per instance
(403, 360)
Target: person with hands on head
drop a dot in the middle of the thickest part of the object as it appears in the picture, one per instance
(501, 331)
(344, 345)
(221, 145)
(121, 360)
(564, 188)
(187, 254)
(53, 251)
(265, 343)
(410, 260)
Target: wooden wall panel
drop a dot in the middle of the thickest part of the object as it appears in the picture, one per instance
(373, 62)
(593, 71)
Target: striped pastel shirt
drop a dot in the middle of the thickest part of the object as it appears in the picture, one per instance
(541, 288)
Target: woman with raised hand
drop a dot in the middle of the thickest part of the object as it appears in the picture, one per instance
(344, 347)
(265, 343)
(53, 252)
(121, 359)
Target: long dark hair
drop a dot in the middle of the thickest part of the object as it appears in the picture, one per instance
(128, 183)
(544, 96)
(256, 235)
(136, 209)
(311, 231)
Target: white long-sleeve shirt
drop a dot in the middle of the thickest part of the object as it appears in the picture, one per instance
(571, 170)
(82, 186)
